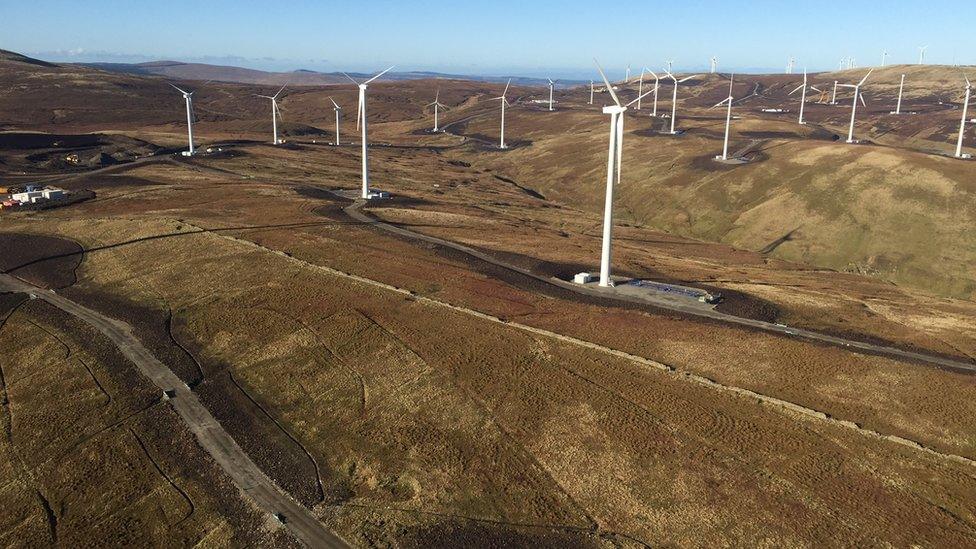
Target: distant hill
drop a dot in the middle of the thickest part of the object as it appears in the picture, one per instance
(218, 73)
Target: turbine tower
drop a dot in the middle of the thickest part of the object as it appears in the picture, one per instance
(674, 100)
(640, 87)
(591, 92)
(501, 141)
(901, 91)
(714, 65)
(962, 125)
(857, 97)
(921, 54)
(337, 109)
(616, 112)
(361, 124)
(728, 118)
(436, 104)
(627, 77)
(275, 113)
(833, 100)
(884, 59)
(188, 97)
(552, 85)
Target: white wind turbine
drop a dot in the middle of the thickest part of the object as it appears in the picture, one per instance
(591, 92)
(188, 97)
(921, 54)
(437, 105)
(901, 91)
(803, 96)
(857, 97)
(962, 125)
(657, 85)
(714, 65)
(614, 159)
(833, 100)
(884, 59)
(728, 118)
(674, 99)
(275, 113)
(361, 123)
(501, 141)
(627, 77)
(789, 65)
(640, 87)
(552, 85)
(337, 109)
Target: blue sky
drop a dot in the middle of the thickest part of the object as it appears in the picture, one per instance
(525, 38)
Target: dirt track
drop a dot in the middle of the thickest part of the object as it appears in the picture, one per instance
(210, 434)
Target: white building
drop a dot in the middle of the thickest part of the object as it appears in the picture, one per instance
(28, 197)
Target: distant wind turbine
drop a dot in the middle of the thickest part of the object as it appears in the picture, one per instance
(337, 110)
(275, 113)
(884, 59)
(188, 97)
(614, 160)
(857, 97)
(657, 85)
(965, 111)
(436, 104)
(552, 85)
(501, 142)
(362, 124)
(728, 117)
(591, 92)
(674, 100)
(921, 54)
(714, 65)
(803, 96)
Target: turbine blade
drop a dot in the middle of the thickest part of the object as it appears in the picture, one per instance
(359, 112)
(607, 82)
(796, 90)
(642, 96)
(814, 88)
(687, 78)
(281, 90)
(504, 93)
(334, 103)
(380, 74)
(866, 77)
(351, 79)
(177, 89)
(861, 97)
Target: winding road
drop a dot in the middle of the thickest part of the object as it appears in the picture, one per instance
(208, 431)
(355, 211)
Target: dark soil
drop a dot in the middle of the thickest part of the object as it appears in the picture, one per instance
(45, 261)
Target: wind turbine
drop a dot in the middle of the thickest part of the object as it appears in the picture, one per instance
(614, 159)
(921, 54)
(833, 100)
(714, 65)
(361, 124)
(901, 90)
(551, 86)
(728, 118)
(657, 81)
(275, 113)
(674, 100)
(436, 104)
(857, 97)
(501, 142)
(337, 110)
(962, 125)
(188, 97)
(884, 59)
(591, 92)
(789, 65)
(627, 78)
(640, 87)
(803, 97)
